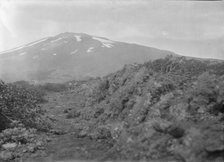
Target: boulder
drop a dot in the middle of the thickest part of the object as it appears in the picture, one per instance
(9, 146)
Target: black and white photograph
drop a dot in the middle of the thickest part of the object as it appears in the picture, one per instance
(111, 81)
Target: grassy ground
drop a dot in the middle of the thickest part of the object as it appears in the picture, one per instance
(67, 146)
(170, 110)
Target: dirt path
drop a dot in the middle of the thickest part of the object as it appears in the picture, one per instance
(67, 146)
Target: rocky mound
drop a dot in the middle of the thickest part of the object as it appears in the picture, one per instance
(21, 120)
(170, 109)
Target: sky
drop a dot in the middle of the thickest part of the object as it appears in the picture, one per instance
(192, 28)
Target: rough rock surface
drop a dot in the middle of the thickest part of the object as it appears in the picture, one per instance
(167, 109)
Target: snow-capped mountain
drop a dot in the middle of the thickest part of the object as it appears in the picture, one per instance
(70, 56)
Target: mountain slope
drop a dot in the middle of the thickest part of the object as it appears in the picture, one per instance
(71, 56)
(170, 109)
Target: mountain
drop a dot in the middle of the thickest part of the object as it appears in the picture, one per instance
(70, 56)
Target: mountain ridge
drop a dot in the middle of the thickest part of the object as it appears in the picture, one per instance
(69, 56)
(69, 33)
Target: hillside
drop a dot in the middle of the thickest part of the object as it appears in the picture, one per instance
(167, 110)
(69, 56)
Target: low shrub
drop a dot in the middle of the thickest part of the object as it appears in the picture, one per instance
(21, 104)
(54, 87)
(183, 96)
(36, 90)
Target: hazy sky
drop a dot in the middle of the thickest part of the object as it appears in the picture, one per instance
(186, 27)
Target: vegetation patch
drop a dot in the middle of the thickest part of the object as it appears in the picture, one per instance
(170, 109)
(21, 118)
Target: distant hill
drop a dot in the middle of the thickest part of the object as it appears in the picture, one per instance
(69, 56)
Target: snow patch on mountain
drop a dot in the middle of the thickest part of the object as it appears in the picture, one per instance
(90, 50)
(78, 38)
(105, 42)
(24, 46)
(73, 52)
(56, 40)
(23, 53)
(39, 41)
(107, 45)
(12, 50)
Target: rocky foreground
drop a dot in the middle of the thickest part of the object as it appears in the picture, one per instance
(166, 110)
